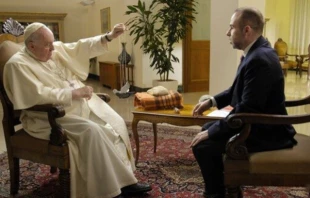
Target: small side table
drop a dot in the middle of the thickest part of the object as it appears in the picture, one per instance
(184, 118)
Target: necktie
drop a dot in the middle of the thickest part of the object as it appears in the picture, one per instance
(241, 59)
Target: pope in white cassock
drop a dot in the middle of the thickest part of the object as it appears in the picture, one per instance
(44, 71)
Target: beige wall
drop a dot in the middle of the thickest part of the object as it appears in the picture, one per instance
(201, 27)
(143, 74)
(223, 59)
(74, 23)
(117, 10)
(83, 21)
(278, 11)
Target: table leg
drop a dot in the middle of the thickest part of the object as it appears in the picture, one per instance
(136, 137)
(300, 69)
(155, 136)
(300, 61)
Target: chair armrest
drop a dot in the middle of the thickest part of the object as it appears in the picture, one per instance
(239, 119)
(235, 148)
(57, 137)
(295, 55)
(282, 58)
(301, 58)
(304, 56)
(48, 107)
(105, 97)
(303, 101)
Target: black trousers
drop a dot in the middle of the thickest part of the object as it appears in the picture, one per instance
(208, 154)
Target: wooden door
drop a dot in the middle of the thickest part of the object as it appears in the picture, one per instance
(196, 51)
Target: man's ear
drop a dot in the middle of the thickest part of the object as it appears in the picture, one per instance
(30, 46)
(246, 29)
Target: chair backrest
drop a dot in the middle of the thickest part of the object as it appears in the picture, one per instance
(9, 45)
(281, 47)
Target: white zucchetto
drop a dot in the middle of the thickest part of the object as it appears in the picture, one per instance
(30, 29)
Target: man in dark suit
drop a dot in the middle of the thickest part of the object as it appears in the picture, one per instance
(258, 88)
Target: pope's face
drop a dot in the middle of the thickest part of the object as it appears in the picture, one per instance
(43, 47)
(235, 33)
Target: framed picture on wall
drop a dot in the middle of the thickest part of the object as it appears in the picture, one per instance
(105, 20)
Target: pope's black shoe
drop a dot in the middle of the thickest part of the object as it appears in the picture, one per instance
(136, 189)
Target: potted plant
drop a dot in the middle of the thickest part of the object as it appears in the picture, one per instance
(160, 26)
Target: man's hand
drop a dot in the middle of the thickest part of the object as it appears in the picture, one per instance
(83, 92)
(199, 137)
(201, 107)
(118, 29)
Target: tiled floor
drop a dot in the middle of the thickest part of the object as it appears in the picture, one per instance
(295, 87)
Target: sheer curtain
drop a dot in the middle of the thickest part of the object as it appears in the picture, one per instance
(300, 27)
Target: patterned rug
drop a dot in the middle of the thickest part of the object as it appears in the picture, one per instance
(172, 170)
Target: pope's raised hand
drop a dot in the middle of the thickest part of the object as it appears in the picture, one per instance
(117, 30)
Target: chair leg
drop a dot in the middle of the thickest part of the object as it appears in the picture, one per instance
(234, 192)
(64, 180)
(14, 175)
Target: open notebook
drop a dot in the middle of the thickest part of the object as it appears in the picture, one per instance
(221, 112)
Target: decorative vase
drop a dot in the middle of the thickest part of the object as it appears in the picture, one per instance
(124, 58)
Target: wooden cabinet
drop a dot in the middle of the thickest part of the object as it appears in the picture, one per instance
(114, 75)
(54, 21)
(109, 74)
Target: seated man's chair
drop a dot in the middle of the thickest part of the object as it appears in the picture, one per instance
(19, 144)
(286, 167)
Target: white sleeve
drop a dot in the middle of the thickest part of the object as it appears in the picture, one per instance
(25, 90)
(208, 97)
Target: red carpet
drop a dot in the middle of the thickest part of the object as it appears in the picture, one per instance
(172, 171)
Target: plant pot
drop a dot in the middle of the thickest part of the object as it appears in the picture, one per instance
(170, 84)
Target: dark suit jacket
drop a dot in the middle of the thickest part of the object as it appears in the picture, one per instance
(257, 88)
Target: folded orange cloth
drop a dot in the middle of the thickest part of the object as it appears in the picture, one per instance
(150, 102)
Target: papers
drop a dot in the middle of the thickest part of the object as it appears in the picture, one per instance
(218, 113)
(222, 113)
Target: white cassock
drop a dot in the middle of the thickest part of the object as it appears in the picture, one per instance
(101, 159)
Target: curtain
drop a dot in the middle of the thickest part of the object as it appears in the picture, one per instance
(300, 27)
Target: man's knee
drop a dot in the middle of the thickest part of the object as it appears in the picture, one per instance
(206, 126)
(209, 147)
(200, 148)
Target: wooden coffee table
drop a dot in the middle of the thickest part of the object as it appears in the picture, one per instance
(183, 118)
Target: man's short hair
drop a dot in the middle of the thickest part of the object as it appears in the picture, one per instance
(251, 17)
